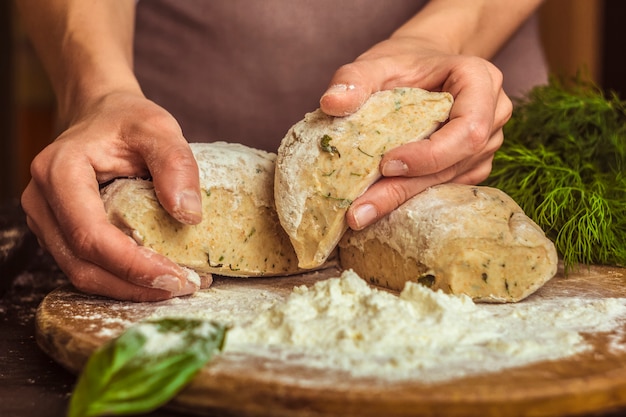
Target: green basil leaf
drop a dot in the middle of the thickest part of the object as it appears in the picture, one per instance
(145, 367)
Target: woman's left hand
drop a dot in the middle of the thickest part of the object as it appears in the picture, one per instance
(461, 151)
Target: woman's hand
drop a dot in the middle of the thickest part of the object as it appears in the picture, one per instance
(461, 151)
(120, 135)
(112, 131)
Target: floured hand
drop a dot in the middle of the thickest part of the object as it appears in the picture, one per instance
(121, 135)
(461, 151)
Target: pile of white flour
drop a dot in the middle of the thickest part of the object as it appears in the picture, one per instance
(343, 323)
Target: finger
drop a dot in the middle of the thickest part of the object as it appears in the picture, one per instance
(84, 275)
(475, 169)
(383, 197)
(92, 279)
(75, 217)
(351, 85)
(504, 111)
(389, 193)
(466, 134)
(206, 281)
(175, 175)
(477, 174)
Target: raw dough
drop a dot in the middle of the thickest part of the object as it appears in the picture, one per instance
(239, 234)
(325, 162)
(461, 239)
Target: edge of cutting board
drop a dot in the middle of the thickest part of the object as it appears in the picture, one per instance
(252, 386)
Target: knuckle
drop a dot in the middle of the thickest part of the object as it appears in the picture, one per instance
(82, 283)
(163, 121)
(495, 142)
(83, 243)
(477, 136)
(82, 277)
(180, 158)
(473, 178)
(152, 124)
(479, 175)
(506, 108)
(436, 160)
(495, 73)
(39, 167)
(181, 169)
(27, 201)
(396, 194)
(446, 175)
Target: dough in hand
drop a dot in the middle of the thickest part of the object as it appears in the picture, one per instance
(461, 239)
(239, 234)
(325, 162)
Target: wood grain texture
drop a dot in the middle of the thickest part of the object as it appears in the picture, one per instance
(70, 325)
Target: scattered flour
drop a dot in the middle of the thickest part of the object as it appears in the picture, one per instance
(157, 342)
(344, 324)
(160, 341)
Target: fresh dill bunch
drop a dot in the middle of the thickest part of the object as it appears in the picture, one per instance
(562, 161)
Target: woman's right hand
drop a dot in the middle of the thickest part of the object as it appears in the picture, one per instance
(122, 134)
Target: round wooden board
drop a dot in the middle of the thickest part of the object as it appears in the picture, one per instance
(71, 325)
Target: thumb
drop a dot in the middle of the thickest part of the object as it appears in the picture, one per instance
(176, 181)
(350, 87)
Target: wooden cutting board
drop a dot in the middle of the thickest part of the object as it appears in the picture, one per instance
(71, 325)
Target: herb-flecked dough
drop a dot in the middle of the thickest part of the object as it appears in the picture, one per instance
(325, 162)
(460, 239)
(239, 234)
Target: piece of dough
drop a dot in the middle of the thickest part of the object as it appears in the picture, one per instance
(325, 162)
(239, 234)
(461, 239)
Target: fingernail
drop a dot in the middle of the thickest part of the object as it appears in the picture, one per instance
(394, 168)
(364, 215)
(189, 288)
(192, 276)
(168, 283)
(189, 207)
(338, 89)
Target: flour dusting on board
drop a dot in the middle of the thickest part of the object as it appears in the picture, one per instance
(343, 324)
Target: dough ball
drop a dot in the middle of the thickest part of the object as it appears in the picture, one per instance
(325, 162)
(239, 234)
(461, 239)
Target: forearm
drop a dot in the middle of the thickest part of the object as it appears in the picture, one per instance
(476, 27)
(85, 46)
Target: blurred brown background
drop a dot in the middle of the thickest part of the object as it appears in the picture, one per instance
(577, 34)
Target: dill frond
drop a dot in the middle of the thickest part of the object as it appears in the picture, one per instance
(562, 161)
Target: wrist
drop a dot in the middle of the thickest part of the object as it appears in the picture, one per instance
(79, 93)
(86, 48)
(424, 42)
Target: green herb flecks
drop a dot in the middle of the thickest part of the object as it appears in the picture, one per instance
(563, 161)
(327, 147)
(250, 234)
(145, 367)
(363, 152)
(341, 202)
